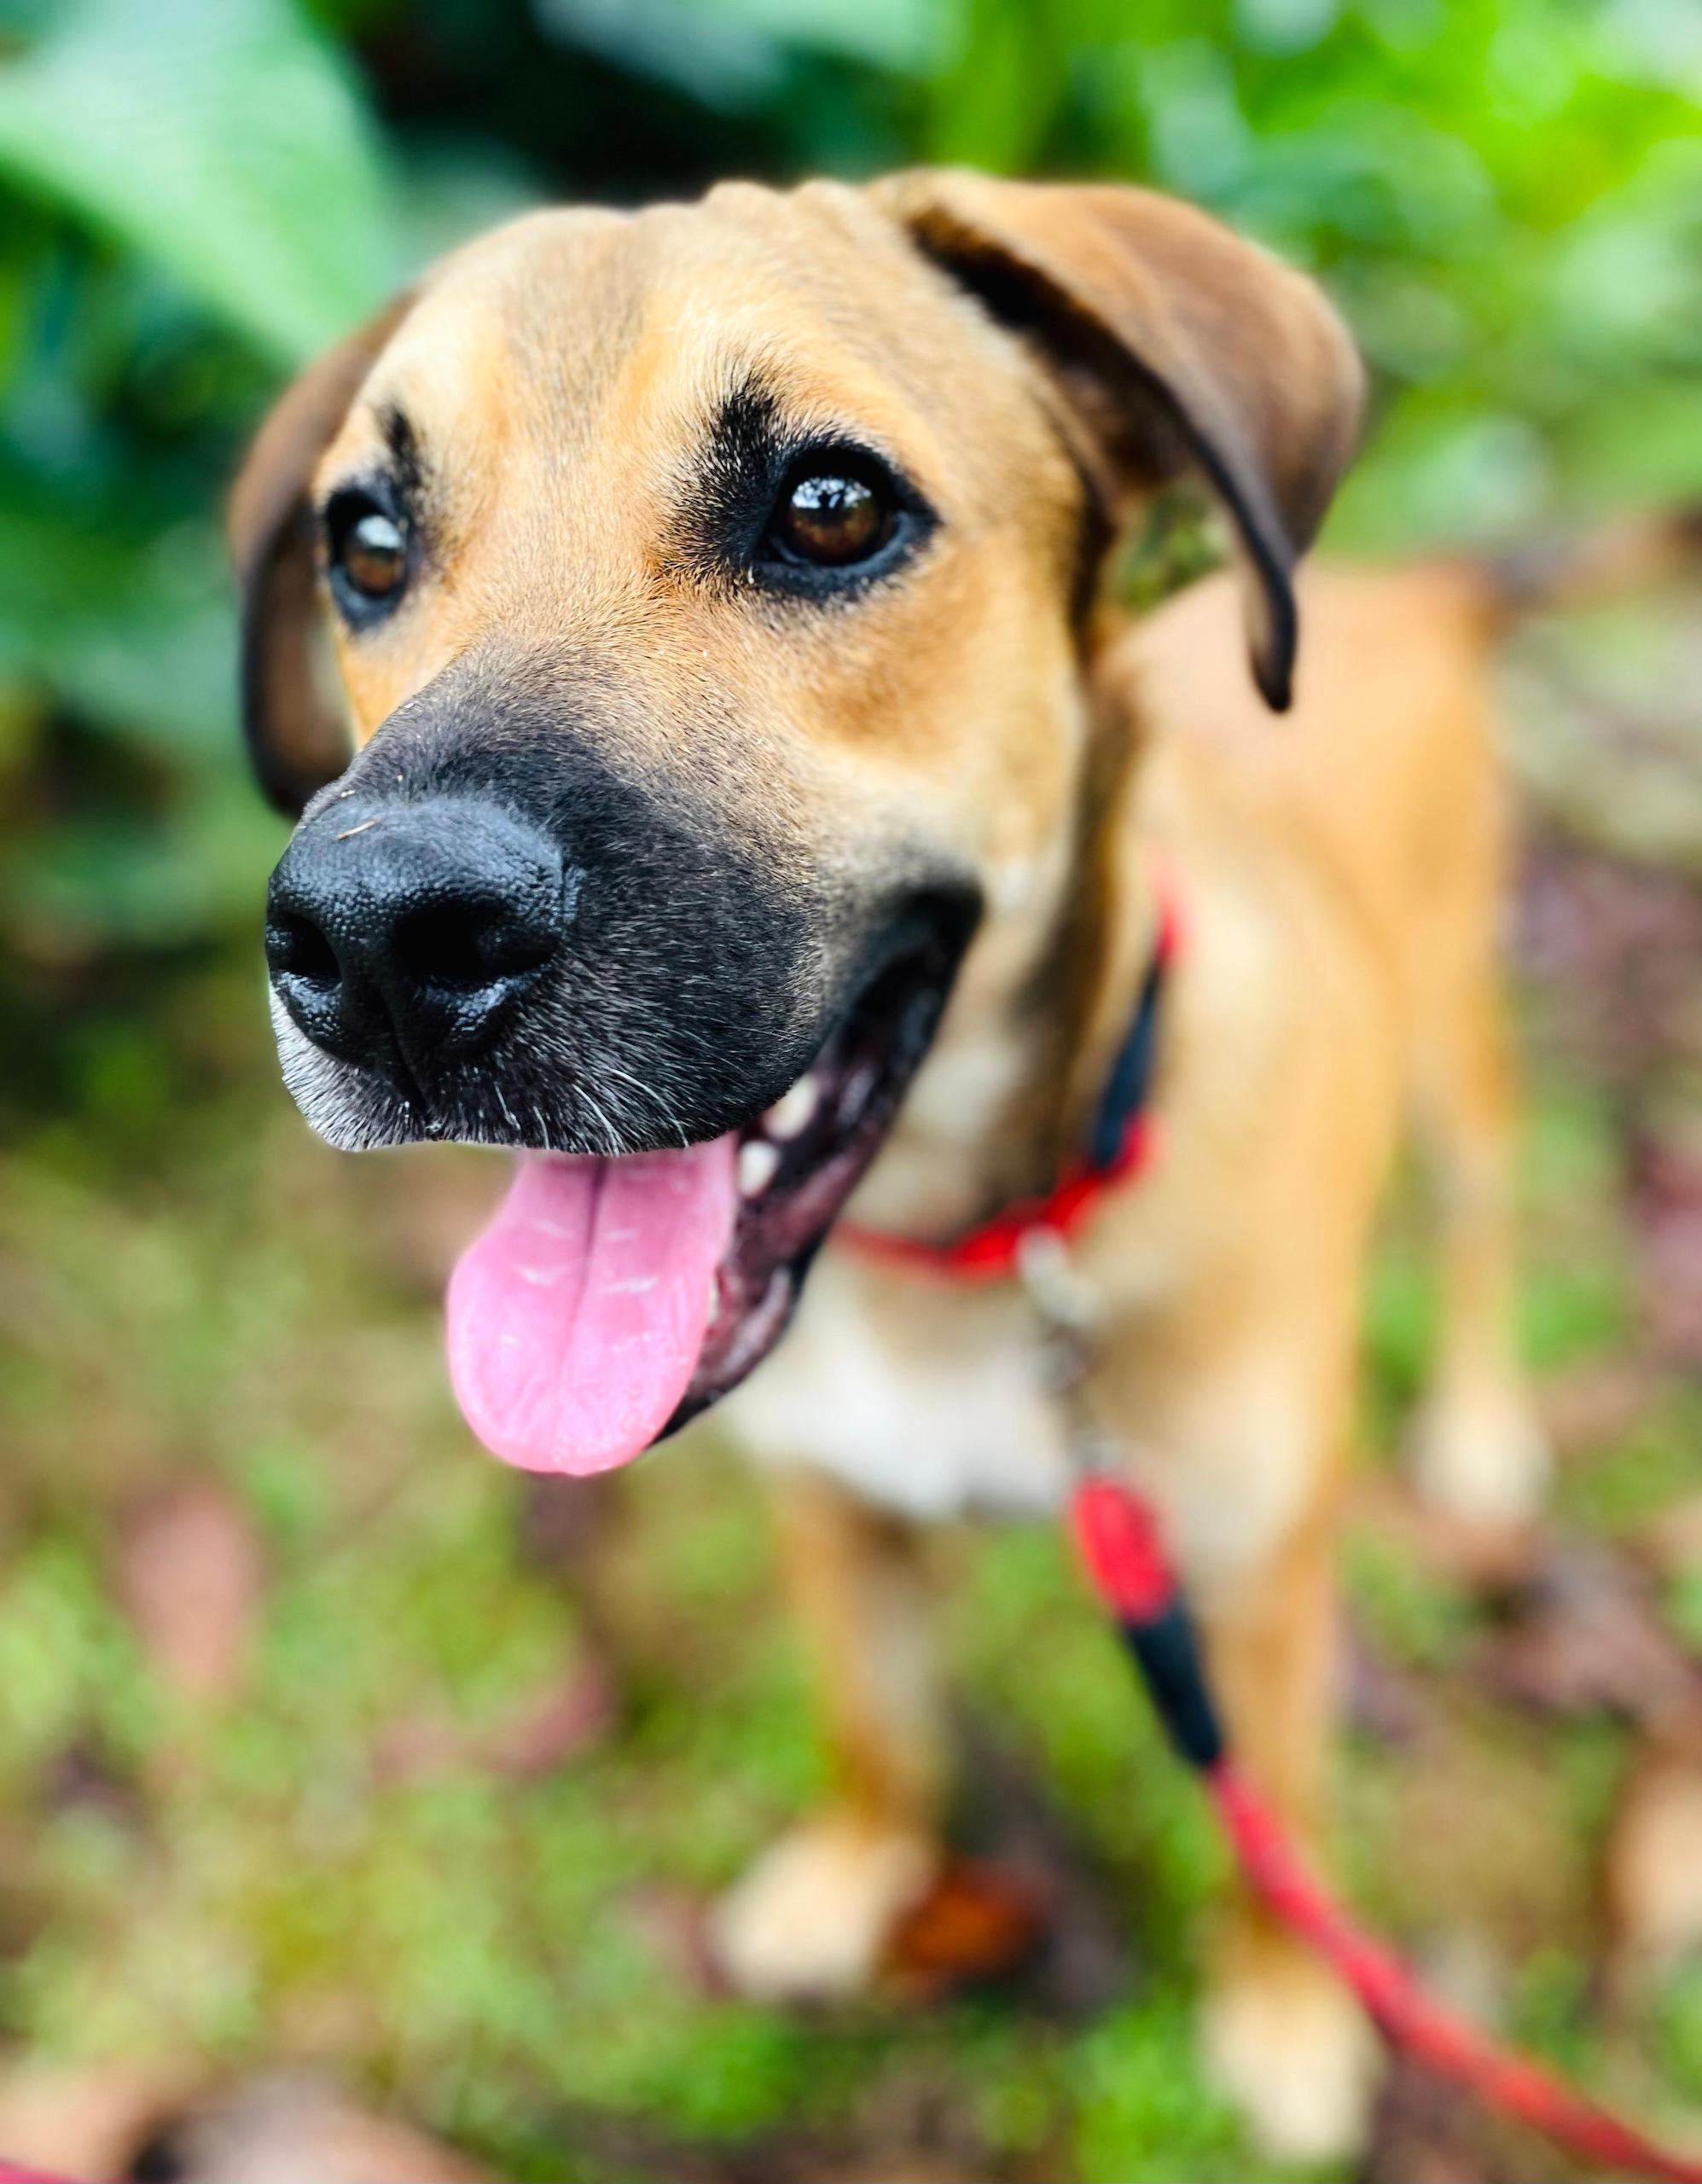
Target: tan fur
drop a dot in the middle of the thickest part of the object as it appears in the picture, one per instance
(1339, 870)
(1338, 873)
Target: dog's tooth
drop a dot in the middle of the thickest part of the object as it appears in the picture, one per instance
(856, 1092)
(758, 1164)
(793, 1111)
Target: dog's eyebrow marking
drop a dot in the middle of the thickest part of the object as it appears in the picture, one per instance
(745, 438)
(728, 482)
(403, 443)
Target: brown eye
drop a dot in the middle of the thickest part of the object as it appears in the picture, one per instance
(366, 554)
(832, 519)
(373, 555)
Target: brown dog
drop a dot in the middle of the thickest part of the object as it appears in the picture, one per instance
(743, 763)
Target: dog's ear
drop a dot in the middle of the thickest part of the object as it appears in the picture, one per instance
(292, 711)
(1175, 346)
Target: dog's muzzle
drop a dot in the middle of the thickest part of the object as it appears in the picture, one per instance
(399, 936)
(488, 932)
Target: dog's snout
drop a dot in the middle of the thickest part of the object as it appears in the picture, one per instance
(396, 934)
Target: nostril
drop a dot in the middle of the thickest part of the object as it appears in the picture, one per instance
(297, 945)
(518, 951)
(464, 947)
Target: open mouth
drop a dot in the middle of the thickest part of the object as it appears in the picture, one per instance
(612, 1300)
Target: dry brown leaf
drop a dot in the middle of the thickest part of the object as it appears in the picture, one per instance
(979, 1920)
(570, 1718)
(189, 1573)
(1588, 1637)
(550, 1729)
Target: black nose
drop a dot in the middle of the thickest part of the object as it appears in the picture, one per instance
(400, 935)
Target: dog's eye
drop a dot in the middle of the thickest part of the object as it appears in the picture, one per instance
(832, 517)
(366, 555)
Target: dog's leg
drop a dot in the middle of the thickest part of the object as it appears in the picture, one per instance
(1283, 2036)
(1246, 1440)
(809, 1920)
(1477, 1450)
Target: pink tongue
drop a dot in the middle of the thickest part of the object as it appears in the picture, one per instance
(577, 1318)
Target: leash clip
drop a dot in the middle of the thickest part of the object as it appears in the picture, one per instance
(1062, 1297)
(1067, 1308)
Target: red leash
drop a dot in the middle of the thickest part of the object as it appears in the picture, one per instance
(1118, 1538)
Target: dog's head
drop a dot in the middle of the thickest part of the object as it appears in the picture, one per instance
(669, 629)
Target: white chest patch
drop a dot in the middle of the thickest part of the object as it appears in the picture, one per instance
(940, 1417)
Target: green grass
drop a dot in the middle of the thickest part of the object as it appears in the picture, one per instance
(194, 1287)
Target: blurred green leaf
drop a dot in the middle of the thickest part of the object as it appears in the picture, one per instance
(734, 53)
(222, 139)
(134, 633)
(94, 884)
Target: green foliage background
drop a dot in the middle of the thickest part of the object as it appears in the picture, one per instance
(1505, 196)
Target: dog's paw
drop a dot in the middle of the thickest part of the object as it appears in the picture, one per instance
(810, 1921)
(1480, 1455)
(1293, 2049)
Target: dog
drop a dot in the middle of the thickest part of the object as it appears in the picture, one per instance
(684, 636)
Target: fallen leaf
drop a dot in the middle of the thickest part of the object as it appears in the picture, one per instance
(190, 1574)
(1586, 1636)
(979, 1921)
(1083, 1962)
(570, 1718)
(550, 1729)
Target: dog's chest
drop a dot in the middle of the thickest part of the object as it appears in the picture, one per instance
(926, 1401)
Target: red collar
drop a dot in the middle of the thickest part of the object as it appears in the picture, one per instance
(1121, 1147)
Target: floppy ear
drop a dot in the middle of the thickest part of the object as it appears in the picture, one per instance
(292, 711)
(1175, 345)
